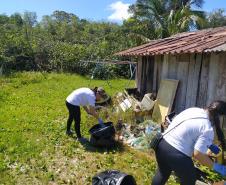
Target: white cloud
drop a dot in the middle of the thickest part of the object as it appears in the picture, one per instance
(120, 11)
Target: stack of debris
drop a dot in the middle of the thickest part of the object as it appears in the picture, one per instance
(140, 108)
(129, 101)
(138, 136)
(150, 107)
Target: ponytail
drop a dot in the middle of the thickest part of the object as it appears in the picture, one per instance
(95, 90)
(216, 109)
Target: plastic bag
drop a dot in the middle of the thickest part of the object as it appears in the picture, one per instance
(113, 177)
(103, 132)
(103, 136)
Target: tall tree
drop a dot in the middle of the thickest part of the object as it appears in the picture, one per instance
(184, 19)
(161, 11)
(215, 19)
(16, 19)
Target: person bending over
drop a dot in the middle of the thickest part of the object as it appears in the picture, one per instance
(192, 137)
(86, 98)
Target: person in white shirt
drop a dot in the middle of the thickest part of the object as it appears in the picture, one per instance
(189, 135)
(86, 98)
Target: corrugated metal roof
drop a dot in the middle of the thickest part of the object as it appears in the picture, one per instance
(108, 62)
(208, 40)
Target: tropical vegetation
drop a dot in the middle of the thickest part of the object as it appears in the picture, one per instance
(63, 42)
(41, 62)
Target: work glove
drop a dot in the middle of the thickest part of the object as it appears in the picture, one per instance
(216, 150)
(219, 168)
(100, 121)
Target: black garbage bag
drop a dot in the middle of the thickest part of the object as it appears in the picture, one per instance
(103, 142)
(113, 177)
(103, 136)
(97, 131)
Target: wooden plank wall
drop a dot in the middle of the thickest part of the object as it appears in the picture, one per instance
(168, 67)
(145, 72)
(202, 77)
(139, 74)
(203, 81)
(182, 76)
(143, 76)
(149, 72)
(217, 77)
(157, 72)
(193, 82)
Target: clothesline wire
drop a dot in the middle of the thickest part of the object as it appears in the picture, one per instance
(116, 62)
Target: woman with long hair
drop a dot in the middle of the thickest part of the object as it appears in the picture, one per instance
(189, 135)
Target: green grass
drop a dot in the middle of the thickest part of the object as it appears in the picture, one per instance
(33, 146)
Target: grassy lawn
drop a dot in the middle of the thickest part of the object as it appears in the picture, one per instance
(33, 146)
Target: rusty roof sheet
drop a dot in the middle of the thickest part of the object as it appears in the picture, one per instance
(208, 40)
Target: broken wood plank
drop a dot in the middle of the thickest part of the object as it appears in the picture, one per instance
(164, 101)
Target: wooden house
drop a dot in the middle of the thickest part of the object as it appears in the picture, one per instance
(197, 59)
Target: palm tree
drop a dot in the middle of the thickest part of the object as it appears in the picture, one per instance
(168, 16)
(184, 19)
(176, 4)
(153, 11)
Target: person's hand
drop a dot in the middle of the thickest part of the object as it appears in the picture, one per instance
(100, 121)
(219, 168)
(220, 183)
(214, 150)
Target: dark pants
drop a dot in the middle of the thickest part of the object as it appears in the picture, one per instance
(74, 114)
(170, 159)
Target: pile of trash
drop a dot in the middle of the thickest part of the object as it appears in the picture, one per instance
(138, 136)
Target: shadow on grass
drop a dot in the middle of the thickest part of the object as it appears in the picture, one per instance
(117, 147)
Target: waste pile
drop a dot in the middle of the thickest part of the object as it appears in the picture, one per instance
(138, 136)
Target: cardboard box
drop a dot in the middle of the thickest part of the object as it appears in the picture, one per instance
(125, 105)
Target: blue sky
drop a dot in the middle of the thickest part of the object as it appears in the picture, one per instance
(96, 10)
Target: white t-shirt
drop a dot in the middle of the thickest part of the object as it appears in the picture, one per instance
(82, 97)
(192, 134)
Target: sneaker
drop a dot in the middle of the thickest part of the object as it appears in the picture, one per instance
(69, 132)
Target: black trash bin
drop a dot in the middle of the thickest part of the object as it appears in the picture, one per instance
(113, 177)
(103, 136)
(98, 131)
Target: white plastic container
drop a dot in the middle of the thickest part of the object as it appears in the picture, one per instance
(147, 103)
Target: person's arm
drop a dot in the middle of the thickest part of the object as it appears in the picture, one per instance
(201, 147)
(203, 159)
(86, 109)
(220, 183)
(93, 112)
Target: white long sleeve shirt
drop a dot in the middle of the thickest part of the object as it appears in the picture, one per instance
(191, 134)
